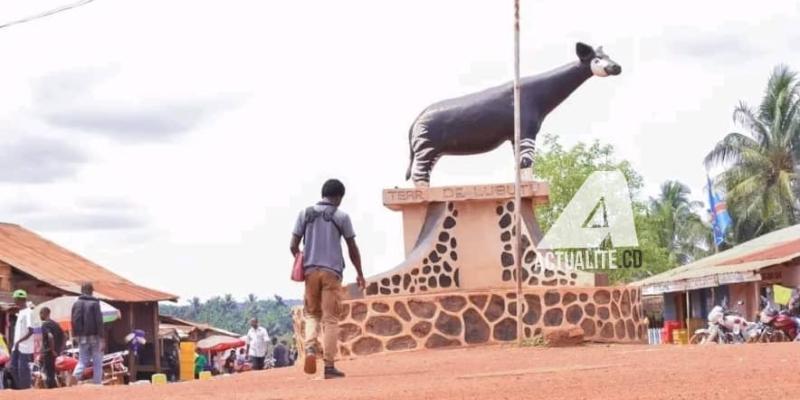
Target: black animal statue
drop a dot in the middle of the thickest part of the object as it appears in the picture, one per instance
(480, 122)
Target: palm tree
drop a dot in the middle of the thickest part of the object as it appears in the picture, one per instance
(194, 307)
(760, 178)
(682, 231)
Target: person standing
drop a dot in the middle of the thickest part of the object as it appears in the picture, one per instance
(322, 227)
(257, 338)
(52, 345)
(200, 363)
(87, 328)
(22, 353)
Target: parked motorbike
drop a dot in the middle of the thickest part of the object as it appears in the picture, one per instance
(776, 325)
(724, 326)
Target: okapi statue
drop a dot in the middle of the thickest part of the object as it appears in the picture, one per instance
(480, 122)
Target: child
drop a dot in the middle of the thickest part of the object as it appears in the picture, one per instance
(200, 363)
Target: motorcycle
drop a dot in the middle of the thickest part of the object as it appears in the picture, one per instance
(777, 325)
(724, 326)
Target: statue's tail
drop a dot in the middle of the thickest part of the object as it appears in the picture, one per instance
(410, 151)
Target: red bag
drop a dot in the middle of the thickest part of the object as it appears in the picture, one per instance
(298, 275)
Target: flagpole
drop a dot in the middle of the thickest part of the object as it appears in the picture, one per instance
(517, 181)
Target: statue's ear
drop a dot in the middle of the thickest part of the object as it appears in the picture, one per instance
(584, 51)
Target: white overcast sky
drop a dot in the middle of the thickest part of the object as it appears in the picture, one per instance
(175, 141)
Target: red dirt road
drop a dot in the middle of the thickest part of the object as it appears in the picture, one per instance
(590, 372)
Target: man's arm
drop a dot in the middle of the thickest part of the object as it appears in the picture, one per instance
(294, 245)
(355, 258)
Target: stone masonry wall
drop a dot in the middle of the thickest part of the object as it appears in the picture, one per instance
(398, 323)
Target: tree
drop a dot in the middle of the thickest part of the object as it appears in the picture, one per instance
(760, 178)
(680, 229)
(567, 169)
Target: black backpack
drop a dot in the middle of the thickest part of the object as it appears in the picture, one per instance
(327, 214)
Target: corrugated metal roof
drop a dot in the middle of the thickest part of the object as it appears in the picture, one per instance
(57, 266)
(178, 322)
(771, 249)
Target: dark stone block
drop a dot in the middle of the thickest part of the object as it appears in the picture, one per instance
(574, 314)
(454, 256)
(507, 247)
(476, 330)
(396, 290)
(401, 311)
(421, 329)
(534, 311)
(552, 282)
(619, 329)
(506, 259)
(505, 221)
(433, 282)
(436, 341)
(451, 206)
(614, 311)
(616, 295)
(510, 206)
(385, 290)
(380, 307)
(372, 289)
(505, 236)
(437, 269)
(562, 282)
(445, 281)
(533, 281)
(548, 273)
(396, 280)
(551, 297)
(358, 312)
(635, 313)
(415, 271)
(588, 327)
(569, 298)
(499, 210)
(434, 257)
(530, 256)
(602, 312)
(496, 308)
(479, 300)
(453, 243)
(444, 236)
(385, 282)
(505, 330)
(625, 304)
(608, 331)
(553, 317)
(348, 331)
(589, 308)
(602, 297)
(631, 329)
(447, 267)
(367, 345)
(448, 324)
(426, 270)
(422, 309)
(453, 303)
(512, 308)
(406, 281)
(449, 222)
(455, 278)
(441, 248)
(401, 343)
(384, 325)
(583, 296)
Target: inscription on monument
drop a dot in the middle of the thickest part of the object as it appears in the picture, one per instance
(455, 193)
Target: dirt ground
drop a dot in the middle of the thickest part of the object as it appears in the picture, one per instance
(589, 372)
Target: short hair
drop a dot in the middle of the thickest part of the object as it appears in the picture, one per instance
(87, 288)
(333, 188)
(45, 310)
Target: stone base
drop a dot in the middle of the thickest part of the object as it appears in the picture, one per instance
(468, 318)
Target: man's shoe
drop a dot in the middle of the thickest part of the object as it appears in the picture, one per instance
(310, 363)
(333, 373)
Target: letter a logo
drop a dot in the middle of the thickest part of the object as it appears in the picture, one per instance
(610, 190)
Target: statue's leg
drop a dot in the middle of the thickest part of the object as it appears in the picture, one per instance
(423, 166)
(526, 150)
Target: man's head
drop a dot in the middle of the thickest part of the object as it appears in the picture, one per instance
(44, 314)
(254, 322)
(20, 298)
(274, 341)
(87, 289)
(333, 191)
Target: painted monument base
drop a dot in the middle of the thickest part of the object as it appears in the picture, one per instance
(480, 317)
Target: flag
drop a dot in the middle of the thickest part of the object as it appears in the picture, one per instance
(720, 219)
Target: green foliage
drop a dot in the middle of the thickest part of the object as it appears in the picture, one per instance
(760, 179)
(226, 313)
(661, 224)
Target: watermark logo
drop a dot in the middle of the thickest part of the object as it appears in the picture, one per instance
(600, 210)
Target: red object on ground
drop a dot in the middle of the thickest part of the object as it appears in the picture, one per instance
(666, 332)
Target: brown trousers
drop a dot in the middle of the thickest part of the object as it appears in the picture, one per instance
(322, 303)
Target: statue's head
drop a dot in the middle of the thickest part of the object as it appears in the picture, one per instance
(600, 63)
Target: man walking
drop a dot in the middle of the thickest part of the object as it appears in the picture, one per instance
(257, 338)
(322, 227)
(52, 345)
(22, 351)
(87, 328)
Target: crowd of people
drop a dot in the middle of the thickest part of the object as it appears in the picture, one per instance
(255, 355)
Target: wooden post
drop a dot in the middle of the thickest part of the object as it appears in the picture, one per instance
(132, 369)
(156, 342)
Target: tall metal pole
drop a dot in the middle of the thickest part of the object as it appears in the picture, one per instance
(517, 183)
